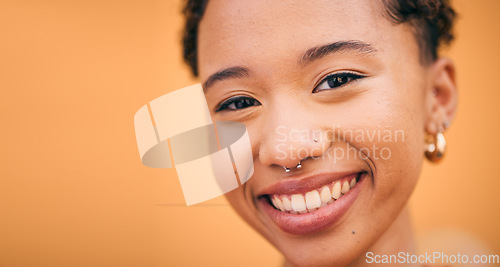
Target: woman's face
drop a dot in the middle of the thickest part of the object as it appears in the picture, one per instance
(334, 85)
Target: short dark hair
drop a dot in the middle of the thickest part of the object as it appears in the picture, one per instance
(432, 21)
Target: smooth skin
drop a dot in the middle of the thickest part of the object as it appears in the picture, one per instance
(397, 91)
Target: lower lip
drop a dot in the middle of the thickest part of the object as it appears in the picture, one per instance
(301, 224)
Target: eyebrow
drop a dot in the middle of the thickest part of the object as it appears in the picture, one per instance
(233, 72)
(318, 52)
(309, 56)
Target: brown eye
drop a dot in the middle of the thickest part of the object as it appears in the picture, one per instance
(237, 103)
(336, 80)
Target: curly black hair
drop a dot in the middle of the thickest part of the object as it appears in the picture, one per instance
(432, 21)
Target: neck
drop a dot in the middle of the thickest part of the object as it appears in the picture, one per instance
(398, 238)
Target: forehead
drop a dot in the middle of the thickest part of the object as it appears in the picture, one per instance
(245, 32)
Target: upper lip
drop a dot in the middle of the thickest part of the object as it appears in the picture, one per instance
(303, 184)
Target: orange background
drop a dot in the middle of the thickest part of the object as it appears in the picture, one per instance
(73, 191)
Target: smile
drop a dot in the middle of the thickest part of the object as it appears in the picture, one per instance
(310, 205)
(314, 199)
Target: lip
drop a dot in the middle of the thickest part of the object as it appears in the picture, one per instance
(301, 185)
(307, 223)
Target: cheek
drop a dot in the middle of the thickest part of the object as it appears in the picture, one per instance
(246, 210)
(397, 115)
(236, 198)
(241, 203)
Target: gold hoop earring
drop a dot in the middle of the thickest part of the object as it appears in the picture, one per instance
(435, 147)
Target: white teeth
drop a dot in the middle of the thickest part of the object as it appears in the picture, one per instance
(336, 190)
(298, 203)
(345, 187)
(273, 200)
(280, 204)
(313, 200)
(353, 183)
(325, 194)
(286, 203)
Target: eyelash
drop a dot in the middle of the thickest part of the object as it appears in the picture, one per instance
(337, 80)
(333, 80)
(245, 102)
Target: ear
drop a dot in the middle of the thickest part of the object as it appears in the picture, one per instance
(441, 96)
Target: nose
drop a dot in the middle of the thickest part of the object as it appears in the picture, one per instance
(290, 136)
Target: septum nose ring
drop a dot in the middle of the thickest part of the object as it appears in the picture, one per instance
(299, 165)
